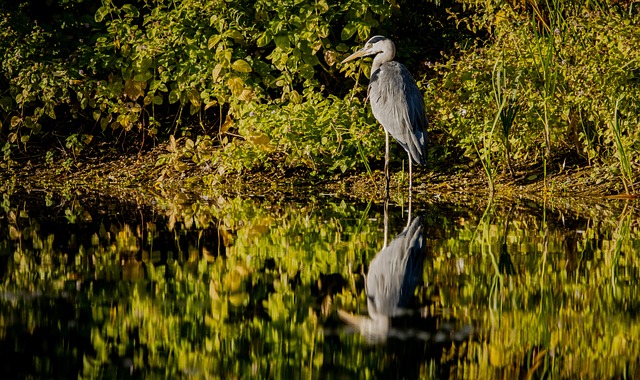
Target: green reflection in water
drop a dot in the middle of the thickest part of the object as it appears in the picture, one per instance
(208, 289)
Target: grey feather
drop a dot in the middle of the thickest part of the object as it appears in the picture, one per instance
(396, 102)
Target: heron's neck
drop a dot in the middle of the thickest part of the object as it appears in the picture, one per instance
(383, 57)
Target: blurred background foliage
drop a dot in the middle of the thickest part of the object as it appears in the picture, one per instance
(504, 81)
(206, 288)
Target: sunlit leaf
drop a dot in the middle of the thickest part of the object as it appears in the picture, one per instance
(263, 39)
(134, 89)
(15, 120)
(216, 72)
(210, 104)
(241, 66)
(14, 234)
(246, 95)
(213, 41)
(174, 96)
(194, 97)
(236, 85)
(349, 30)
(101, 13)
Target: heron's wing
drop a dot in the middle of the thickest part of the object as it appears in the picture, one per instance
(398, 105)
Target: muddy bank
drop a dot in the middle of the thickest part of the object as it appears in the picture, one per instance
(138, 177)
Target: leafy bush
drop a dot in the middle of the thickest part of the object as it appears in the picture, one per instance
(320, 133)
(561, 73)
(524, 81)
(140, 63)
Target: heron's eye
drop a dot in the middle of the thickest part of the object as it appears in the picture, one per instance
(369, 46)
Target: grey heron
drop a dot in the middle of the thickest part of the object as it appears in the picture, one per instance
(391, 280)
(396, 102)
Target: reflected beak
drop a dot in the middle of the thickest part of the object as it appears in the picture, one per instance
(368, 327)
(358, 54)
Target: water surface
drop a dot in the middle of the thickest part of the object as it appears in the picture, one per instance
(93, 287)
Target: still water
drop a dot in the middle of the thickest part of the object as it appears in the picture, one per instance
(328, 288)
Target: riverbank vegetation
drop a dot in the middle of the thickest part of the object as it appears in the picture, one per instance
(520, 89)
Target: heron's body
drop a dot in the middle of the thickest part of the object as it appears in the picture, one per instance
(395, 272)
(396, 102)
(398, 105)
(393, 275)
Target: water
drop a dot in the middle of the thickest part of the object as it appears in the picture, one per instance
(246, 288)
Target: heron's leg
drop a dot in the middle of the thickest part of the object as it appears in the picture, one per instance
(386, 161)
(410, 188)
(410, 176)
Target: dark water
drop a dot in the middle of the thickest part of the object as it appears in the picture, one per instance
(244, 288)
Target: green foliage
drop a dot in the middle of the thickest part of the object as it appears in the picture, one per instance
(139, 64)
(566, 68)
(260, 79)
(320, 133)
(244, 286)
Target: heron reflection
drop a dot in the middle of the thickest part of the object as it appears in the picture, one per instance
(391, 280)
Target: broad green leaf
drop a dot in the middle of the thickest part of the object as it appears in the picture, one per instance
(194, 97)
(131, 10)
(348, 31)
(134, 89)
(282, 42)
(174, 96)
(213, 41)
(236, 85)
(143, 77)
(235, 35)
(263, 40)
(241, 66)
(216, 72)
(143, 64)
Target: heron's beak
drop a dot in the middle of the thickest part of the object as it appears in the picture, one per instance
(358, 54)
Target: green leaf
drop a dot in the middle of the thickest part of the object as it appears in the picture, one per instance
(241, 66)
(134, 89)
(15, 120)
(143, 77)
(131, 10)
(282, 42)
(101, 13)
(235, 35)
(263, 40)
(348, 31)
(216, 72)
(213, 41)
(174, 96)
(194, 97)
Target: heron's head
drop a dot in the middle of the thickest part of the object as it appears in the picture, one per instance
(375, 45)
